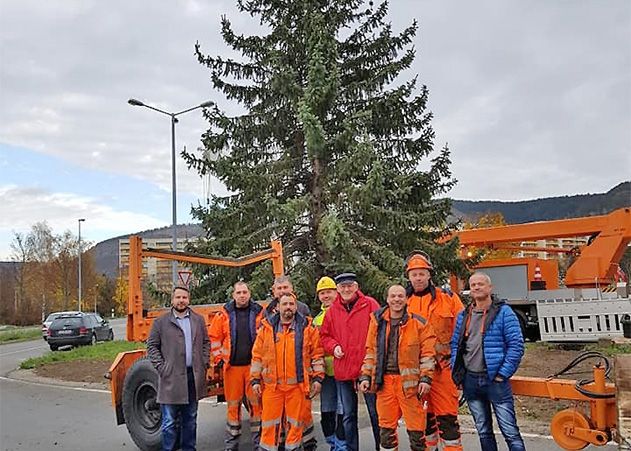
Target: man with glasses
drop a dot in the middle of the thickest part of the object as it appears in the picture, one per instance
(343, 334)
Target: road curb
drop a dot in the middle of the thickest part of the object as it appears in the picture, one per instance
(30, 376)
(466, 421)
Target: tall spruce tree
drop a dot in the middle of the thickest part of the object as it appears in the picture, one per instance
(327, 154)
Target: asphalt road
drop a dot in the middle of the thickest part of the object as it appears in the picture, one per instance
(13, 353)
(37, 417)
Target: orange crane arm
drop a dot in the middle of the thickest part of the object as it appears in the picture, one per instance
(139, 323)
(597, 262)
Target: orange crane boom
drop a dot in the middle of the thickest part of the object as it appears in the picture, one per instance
(597, 262)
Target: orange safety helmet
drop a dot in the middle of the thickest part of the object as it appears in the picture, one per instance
(418, 260)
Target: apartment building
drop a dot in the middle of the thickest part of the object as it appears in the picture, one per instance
(156, 271)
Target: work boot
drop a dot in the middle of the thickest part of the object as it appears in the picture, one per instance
(417, 440)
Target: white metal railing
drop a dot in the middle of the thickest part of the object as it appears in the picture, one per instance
(569, 318)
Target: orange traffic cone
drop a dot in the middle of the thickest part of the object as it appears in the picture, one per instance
(538, 273)
(537, 283)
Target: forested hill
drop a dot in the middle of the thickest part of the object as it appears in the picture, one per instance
(548, 208)
(106, 252)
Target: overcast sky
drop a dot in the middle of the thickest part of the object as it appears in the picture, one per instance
(533, 98)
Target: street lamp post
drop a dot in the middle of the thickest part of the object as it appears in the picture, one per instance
(206, 104)
(80, 221)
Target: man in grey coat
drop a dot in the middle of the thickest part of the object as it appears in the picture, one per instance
(179, 349)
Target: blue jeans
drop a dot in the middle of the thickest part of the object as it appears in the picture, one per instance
(328, 395)
(331, 419)
(481, 394)
(180, 420)
(348, 397)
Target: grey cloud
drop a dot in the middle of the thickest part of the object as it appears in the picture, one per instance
(23, 206)
(533, 97)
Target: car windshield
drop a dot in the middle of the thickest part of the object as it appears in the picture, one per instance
(65, 322)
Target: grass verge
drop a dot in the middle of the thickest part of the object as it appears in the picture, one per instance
(610, 350)
(101, 351)
(14, 334)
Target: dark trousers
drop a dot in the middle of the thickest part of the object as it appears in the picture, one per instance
(348, 398)
(481, 394)
(180, 420)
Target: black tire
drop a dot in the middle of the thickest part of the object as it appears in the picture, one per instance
(533, 334)
(521, 316)
(53, 347)
(93, 339)
(110, 336)
(140, 407)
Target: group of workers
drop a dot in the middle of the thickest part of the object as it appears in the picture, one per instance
(400, 357)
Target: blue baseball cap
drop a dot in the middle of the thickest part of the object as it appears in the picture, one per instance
(345, 277)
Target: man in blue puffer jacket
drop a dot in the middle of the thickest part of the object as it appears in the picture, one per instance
(486, 349)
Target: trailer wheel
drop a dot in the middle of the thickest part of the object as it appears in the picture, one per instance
(533, 334)
(140, 407)
(564, 422)
(521, 316)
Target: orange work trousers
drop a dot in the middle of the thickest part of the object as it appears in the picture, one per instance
(391, 405)
(282, 408)
(236, 386)
(442, 413)
(309, 441)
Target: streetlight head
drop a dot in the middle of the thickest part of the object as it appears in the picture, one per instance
(81, 220)
(135, 102)
(207, 104)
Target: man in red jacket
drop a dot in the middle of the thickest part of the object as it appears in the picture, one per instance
(343, 334)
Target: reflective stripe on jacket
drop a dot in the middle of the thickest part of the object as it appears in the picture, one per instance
(416, 351)
(328, 358)
(440, 309)
(286, 356)
(223, 330)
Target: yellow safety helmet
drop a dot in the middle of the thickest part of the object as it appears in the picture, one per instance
(325, 283)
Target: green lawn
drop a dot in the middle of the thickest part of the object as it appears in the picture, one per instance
(610, 350)
(101, 351)
(12, 333)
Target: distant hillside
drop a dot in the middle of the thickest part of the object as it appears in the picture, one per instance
(549, 208)
(106, 252)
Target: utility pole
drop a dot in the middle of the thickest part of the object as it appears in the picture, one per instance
(207, 104)
(80, 221)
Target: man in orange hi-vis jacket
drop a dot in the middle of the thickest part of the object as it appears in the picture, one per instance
(440, 309)
(287, 369)
(399, 365)
(232, 335)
